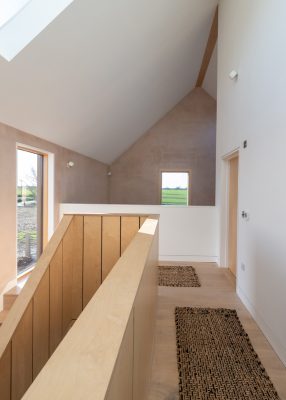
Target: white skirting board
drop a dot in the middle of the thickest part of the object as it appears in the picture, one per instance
(278, 347)
(188, 258)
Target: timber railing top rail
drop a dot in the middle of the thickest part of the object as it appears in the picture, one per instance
(17, 311)
(83, 364)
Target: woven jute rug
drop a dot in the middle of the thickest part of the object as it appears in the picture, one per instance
(181, 276)
(216, 359)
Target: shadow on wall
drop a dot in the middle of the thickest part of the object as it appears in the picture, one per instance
(185, 139)
(262, 281)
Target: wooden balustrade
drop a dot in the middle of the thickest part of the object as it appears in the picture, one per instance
(80, 255)
(107, 354)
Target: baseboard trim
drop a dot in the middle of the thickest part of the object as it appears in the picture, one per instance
(278, 347)
(188, 258)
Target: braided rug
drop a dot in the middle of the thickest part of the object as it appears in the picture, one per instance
(216, 359)
(180, 276)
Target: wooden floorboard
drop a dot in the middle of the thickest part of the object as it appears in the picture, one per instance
(218, 290)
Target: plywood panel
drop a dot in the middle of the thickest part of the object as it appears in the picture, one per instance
(41, 325)
(129, 228)
(67, 278)
(77, 266)
(19, 308)
(97, 342)
(120, 387)
(92, 257)
(144, 325)
(142, 220)
(72, 272)
(5, 374)
(56, 299)
(233, 204)
(110, 243)
(22, 362)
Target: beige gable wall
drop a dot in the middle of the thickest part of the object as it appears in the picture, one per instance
(184, 139)
(86, 182)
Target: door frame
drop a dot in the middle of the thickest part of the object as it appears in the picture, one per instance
(224, 244)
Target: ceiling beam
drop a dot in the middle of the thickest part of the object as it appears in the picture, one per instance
(209, 50)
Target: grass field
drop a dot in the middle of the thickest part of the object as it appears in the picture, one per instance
(26, 223)
(28, 192)
(175, 197)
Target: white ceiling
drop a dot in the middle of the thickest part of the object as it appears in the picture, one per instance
(104, 72)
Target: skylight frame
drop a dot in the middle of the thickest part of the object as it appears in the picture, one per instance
(9, 9)
(25, 25)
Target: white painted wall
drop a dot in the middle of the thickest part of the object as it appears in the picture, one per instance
(186, 233)
(252, 40)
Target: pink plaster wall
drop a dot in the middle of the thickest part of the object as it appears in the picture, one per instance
(86, 182)
(184, 139)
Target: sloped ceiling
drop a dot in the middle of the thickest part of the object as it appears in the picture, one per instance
(104, 72)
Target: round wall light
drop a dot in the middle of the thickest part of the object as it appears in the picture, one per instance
(70, 164)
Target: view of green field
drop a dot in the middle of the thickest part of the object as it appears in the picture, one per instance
(175, 197)
(27, 210)
(26, 193)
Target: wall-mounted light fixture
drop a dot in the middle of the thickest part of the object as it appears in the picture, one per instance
(233, 75)
(70, 164)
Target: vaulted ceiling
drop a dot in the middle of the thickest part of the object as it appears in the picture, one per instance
(103, 72)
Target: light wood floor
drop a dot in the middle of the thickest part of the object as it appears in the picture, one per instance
(218, 290)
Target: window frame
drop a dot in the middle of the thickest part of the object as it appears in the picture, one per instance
(175, 170)
(48, 182)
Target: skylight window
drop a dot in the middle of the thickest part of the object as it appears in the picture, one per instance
(22, 20)
(10, 8)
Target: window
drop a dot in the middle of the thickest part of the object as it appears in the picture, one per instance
(10, 8)
(31, 176)
(175, 188)
(22, 20)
